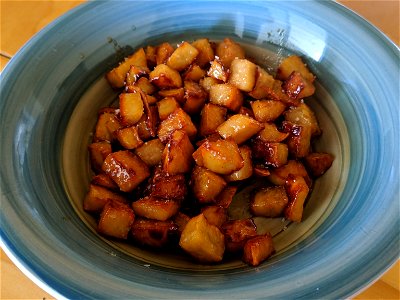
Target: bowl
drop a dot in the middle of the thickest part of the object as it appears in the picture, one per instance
(51, 91)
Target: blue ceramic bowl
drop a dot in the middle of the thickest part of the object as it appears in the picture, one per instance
(51, 90)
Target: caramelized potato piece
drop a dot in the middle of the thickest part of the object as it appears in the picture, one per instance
(211, 117)
(166, 106)
(163, 52)
(224, 199)
(239, 127)
(150, 52)
(134, 73)
(195, 97)
(243, 74)
(178, 94)
(269, 202)
(261, 171)
(247, 169)
(155, 208)
(246, 111)
(153, 233)
(226, 95)
(145, 85)
(97, 197)
(272, 154)
(116, 220)
(258, 249)
(107, 124)
(207, 82)
(98, 153)
(267, 110)
(147, 124)
(178, 120)
(271, 134)
(131, 108)
(126, 169)
(104, 181)
(181, 220)
(151, 152)
(297, 191)
(218, 71)
(237, 232)
(194, 73)
(165, 77)
(128, 137)
(177, 155)
(182, 57)
(215, 215)
(299, 139)
(206, 52)
(206, 185)
(297, 87)
(169, 186)
(203, 241)
(293, 63)
(222, 156)
(303, 115)
(318, 163)
(279, 175)
(228, 50)
(264, 84)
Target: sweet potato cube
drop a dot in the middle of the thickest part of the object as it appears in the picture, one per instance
(126, 169)
(177, 155)
(293, 63)
(98, 153)
(304, 116)
(105, 181)
(97, 197)
(163, 52)
(169, 186)
(258, 249)
(269, 202)
(297, 191)
(236, 233)
(264, 84)
(271, 134)
(107, 124)
(182, 57)
(228, 50)
(222, 156)
(178, 120)
(203, 241)
(243, 74)
(318, 162)
(272, 154)
(239, 127)
(116, 220)
(151, 152)
(195, 97)
(224, 199)
(206, 185)
(153, 233)
(247, 170)
(226, 95)
(267, 110)
(207, 82)
(297, 87)
(165, 77)
(155, 208)
(131, 108)
(194, 73)
(166, 106)
(206, 52)
(211, 117)
(279, 175)
(128, 137)
(178, 94)
(218, 71)
(299, 139)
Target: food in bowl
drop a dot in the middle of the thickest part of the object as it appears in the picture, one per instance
(193, 125)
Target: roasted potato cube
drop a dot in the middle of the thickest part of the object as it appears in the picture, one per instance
(116, 77)
(128, 137)
(207, 82)
(177, 155)
(98, 153)
(97, 197)
(134, 73)
(104, 181)
(151, 152)
(222, 156)
(293, 63)
(206, 52)
(131, 108)
(211, 117)
(194, 73)
(203, 241)
(150, 52)
(264, 84)
(166, 106)
(278, 176)
(126, 169)
(267, 110)
(318, 163)
(304, 116)
(145, 85)
(272, 154)
(237, 232)
(297, 87)
(271, 134)
(165, 77)
(277, 93)
(178, 94)
(178, 120)
(181, 219)
(163, 52)
(297, 191)
(146, 127)
(206, 185)
(224, 199)
(195, 97)
(153, 233)
(240, 128)
(247, 169)
(269, 202)
(226, 95)
(218, 71)
(155, 208)
(182, 57)
(258, 249)
(107, 124)
(228, 50)
(169, 186)
(243, 74)
(116, 220)
(299, 139)
(215, 215)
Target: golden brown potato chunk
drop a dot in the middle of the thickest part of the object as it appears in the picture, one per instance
(218, 71)
(211, 117)
(203, 241)
(228, 50)
(178, 120)
(293, 63)
(128, 137)
(169, 186)
(303, 115)
(226, 95)
(178, 94)
(97, 198)
(258, 249)
(166, 106)
(239, 127)
(104, 181)
(215, 215)
(147, 124)
(264, 84)
(297, 191)
(181, 219)
(145, 85)
(267, 110)
(107, 124)
(243, 74)
(163, 52)
(164, 77)
(247, 169)
(155, 208)
(98, 153)
(206, 52)
(194, 73)
(116, 219)
(299, 139)
(279, 175)
(131, 108)
(237, 232)
(297, 87)
(206, 185)
(318, 162)
(134, 73)
(269, 202)
(153, 233)
(195, 97)
(207, 82)
(271, 154)
(177, 154)
(151, 152)
(224, 199)
(271, 134)
(182, 57)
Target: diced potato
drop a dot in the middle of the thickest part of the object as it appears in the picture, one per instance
(182, 57)
(222, 156)
(246, 111)
(272, 154)
(237, 232)
(163, 52)
(116, 220)
(145, 85)
(261, 171)
(128, 137)
(134, 73)
(258, 249)
(304, 116)
(97, 197)
(271, 134)
(116, 77)
(153, 233)
(166, 106)
(239, 127)
(98, 153)
(247, 169)
(299, 139)
(178, 94)
(226, 95)
(269, 202)
(177, 155)
(277, 93)
(147, 124)
(206, 52)
(155, 208)
(224, 199)
(207, 82)
(218, 71)
(126, 169)
(215, 215)
(165, 77)
(181, 219)
(107, 124)
(228, 50)
(131, 108)
(178, 120)
(267, 110)
(279, 176)
(169, 186)
(243, 74)
(297, 87)
(150, 52)
(203, 241)
(293, 63)
(264, 84)
(318, 162)
(297, 191)
(206, 185)
(104, 181)
(151, 152)
(195, 97)
(211, 117)
(194, 73)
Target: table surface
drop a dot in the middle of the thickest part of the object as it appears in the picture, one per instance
(22, 19)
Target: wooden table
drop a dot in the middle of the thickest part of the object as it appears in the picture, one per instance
(21, 19)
